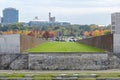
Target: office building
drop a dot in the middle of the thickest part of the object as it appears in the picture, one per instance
(10, 15)
(115, 22)
(0, 19)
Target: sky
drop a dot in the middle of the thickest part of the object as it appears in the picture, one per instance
(73, 11)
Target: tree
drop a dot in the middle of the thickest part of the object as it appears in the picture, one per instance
(106, 32)
(46, 35)
(85, 28)
(86, 33)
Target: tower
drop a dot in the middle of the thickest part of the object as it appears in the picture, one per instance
(10, 15)
(49, 16)
(115, 22)
(0, 19)
(51, 19)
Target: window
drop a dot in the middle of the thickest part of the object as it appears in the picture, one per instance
(113, 32)
(113, 23)
(113, 27)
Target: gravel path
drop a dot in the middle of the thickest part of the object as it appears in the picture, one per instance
(36, 72)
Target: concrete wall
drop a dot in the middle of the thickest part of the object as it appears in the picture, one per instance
(59, 61)
(10, 43)
(104, 42)
(17, 43)
(116, 43)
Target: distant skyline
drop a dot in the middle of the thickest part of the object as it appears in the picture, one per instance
(73, 11)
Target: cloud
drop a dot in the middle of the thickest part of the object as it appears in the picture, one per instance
(62, 9)
(85, 3)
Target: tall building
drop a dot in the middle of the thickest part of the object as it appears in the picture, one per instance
(51, 19)
(115, 21)
(0, 19)
(10, 15)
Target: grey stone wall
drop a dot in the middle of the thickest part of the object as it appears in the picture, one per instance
(59, 61)
(68, 61)
(13, 61)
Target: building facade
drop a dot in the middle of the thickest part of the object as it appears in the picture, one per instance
(0, 19)
(115, 21)
(51, 19)
(10, 15)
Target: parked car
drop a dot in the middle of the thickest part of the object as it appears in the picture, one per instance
(72, 39)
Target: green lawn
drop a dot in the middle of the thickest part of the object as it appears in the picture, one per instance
(64, 47)
(85, 75)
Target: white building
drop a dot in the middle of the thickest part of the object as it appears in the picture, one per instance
(115, 22)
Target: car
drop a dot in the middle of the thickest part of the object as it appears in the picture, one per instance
(72, 40)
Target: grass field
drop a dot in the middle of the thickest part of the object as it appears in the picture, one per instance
(50, 75)
(64, 47)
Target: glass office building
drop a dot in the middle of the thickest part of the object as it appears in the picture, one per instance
(10, 15)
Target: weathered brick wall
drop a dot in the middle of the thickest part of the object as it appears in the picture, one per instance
(104, 42)
(27, 42)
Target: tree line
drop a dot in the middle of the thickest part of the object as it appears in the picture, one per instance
(55, 31)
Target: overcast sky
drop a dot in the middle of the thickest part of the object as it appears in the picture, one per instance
(74, 11)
